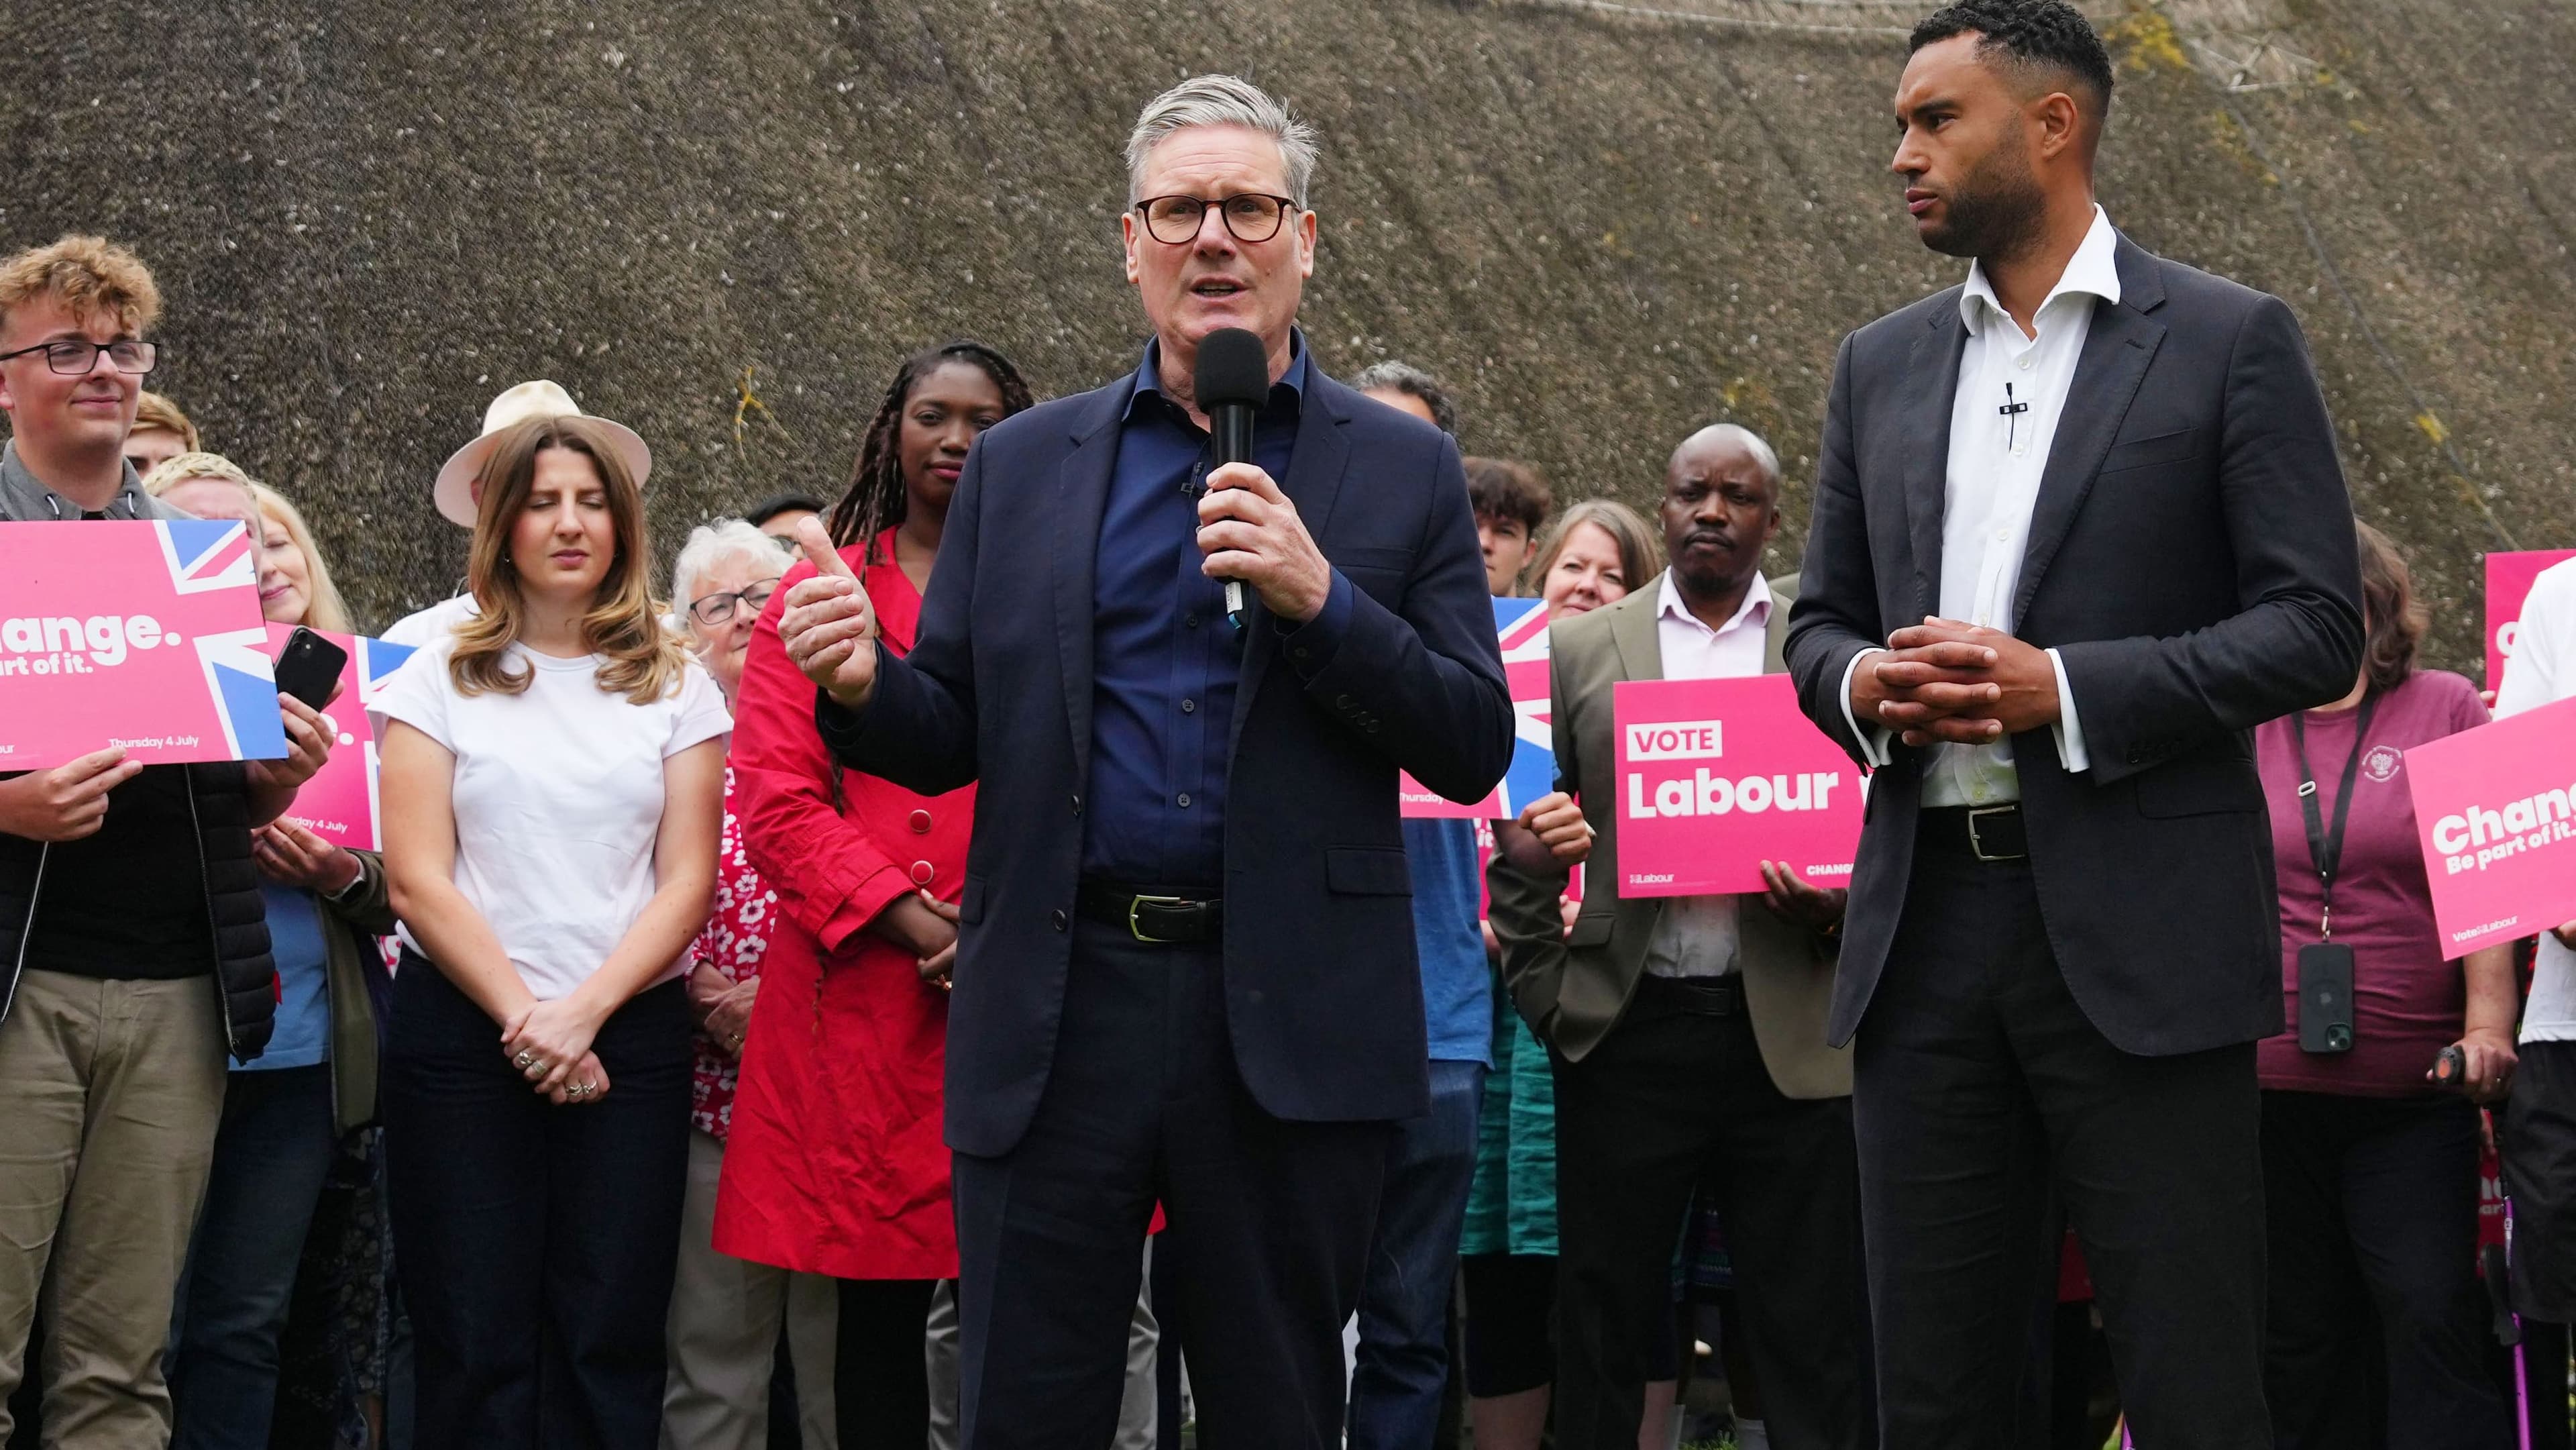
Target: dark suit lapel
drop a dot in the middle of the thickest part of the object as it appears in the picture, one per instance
(1081, 496)
(1315, 468)
(1931, 386)
(2117, 349)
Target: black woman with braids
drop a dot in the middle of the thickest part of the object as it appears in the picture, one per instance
(846, 885)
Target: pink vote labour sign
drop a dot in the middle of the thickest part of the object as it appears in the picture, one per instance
(1716, 777)
(141, 634)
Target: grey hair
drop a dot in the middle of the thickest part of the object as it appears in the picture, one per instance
(1221, 100)
(1749, 440)
(1401, 377)
(709, 543)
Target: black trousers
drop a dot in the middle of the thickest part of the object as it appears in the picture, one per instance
(1677, 1101)
(880, 1374)
(1266, 1234)
(2373, 1212)
(1979, 1084)
(537, 1243)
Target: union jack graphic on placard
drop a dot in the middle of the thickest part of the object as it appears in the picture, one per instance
(340, 804)
(142, 635)
(1520, 626)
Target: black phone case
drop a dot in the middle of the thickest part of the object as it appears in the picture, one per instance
(309, 667)
(2325, 998)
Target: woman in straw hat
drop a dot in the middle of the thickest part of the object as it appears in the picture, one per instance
(553, 775)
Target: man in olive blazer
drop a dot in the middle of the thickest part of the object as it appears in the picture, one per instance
(1687, 1035)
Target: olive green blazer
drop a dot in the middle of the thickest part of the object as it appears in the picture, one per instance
(1572, 987)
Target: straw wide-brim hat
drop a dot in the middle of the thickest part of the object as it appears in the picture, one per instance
(540, 399)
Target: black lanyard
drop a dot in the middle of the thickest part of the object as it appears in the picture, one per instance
(2325, 851)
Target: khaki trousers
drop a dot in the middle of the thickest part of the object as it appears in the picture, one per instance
(110, 1093)
(725, 1316)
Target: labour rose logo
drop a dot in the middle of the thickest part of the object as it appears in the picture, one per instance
(2382, 762)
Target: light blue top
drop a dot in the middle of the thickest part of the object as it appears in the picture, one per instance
(303, 1034)
(1457, 986)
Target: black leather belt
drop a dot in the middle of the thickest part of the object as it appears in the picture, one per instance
(1989, 833)
(1694, 996)
(1173, 918)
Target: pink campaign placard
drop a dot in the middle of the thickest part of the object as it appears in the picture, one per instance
(1716, 777)
(2509, 579)
(144, 634)
(339, 802)
(2495, 808)
(1520, 626)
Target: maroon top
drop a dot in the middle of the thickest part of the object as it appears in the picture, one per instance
(2408, 1002)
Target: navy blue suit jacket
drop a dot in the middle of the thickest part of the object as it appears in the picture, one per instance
(1323, 995)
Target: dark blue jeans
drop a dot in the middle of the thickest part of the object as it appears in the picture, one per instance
(536, 1243)
(271, 1156)
(1403, 1361)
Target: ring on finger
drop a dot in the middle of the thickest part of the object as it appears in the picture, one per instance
(524, 1060)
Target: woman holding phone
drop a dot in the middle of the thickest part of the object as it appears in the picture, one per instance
(552, 781)
(286, 1110)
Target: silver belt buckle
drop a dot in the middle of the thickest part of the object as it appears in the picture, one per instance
(1977, 842)
(1138, 931)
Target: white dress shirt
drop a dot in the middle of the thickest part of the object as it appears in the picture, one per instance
(1697, 936)
(2543, 671)
(1996, 459)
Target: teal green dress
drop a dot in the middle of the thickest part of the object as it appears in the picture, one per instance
(1511, 1206)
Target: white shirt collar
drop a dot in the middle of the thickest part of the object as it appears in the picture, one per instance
(1756, 608)
(2093, 270)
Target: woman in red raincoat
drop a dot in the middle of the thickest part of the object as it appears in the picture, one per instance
(835, 1163)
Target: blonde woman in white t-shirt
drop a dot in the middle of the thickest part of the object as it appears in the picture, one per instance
(553, 778)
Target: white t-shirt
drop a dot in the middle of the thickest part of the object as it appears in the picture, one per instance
(427, 627)
(2543, 671)
(558, 799)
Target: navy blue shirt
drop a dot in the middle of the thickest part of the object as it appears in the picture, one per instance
(1164, 660)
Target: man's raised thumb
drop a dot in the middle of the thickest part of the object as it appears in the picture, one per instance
(818, 549)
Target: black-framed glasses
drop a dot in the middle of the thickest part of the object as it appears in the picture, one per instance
(73, 358)
(1251, 216)
(718, 609)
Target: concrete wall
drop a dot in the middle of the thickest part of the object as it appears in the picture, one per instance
(1607, 224)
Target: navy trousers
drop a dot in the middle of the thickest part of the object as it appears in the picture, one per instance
(537, 1243)
(1266, 1235)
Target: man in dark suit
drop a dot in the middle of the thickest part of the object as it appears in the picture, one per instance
(1185, 968)
(2079, 527)
(1687, 1033)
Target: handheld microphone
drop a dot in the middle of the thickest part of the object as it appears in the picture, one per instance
(1232, 382)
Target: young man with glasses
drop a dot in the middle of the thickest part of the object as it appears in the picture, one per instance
(134, 949)
(1185, 969)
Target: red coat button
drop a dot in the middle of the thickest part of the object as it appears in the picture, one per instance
(921, 873)
(921, 823)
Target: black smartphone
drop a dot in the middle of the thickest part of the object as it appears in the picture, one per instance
(2325, 998)
(309, 667)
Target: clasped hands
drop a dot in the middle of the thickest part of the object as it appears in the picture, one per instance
(1248, 530)
(549, 1043)
(1946, 682)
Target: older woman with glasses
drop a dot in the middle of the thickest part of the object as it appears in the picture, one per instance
(725, 1311)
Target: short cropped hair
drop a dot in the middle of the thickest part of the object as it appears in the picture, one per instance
(1221, 100)
(2397, 619)
(1396, 377)
(781, 503)
(156, 411)
(89, 276)
(1499, 489)
(711, 543)
(2034, 34)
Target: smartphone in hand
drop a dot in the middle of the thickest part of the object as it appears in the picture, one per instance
(309, 667)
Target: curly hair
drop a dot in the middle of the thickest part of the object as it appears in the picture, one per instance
(89, 276)
(2034, 34)
(876, 499)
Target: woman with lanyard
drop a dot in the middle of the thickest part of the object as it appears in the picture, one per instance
(2370, 1167)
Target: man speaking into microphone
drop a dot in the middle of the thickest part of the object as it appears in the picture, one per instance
(1185, 968)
